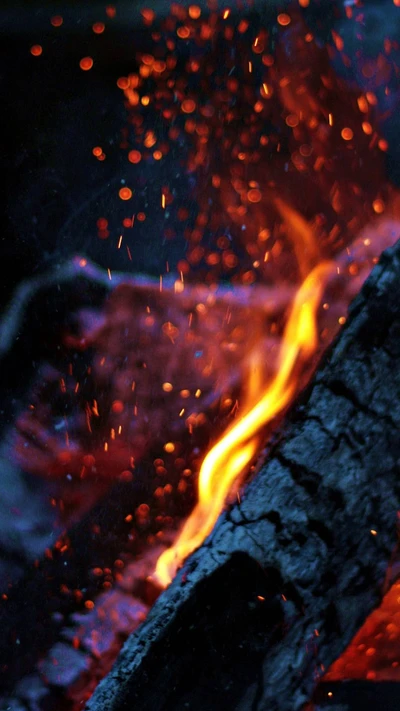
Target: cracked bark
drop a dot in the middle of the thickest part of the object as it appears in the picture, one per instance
(289, 574)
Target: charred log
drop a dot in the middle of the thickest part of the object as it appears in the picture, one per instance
(290, 572)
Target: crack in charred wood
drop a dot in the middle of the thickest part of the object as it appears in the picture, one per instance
(341, 390)
(303, 476)
(313, 417)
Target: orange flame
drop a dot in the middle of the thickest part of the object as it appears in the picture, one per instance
(225, 464)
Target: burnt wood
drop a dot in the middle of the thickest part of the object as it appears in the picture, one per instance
(290, 573)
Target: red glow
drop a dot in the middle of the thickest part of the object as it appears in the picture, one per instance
(86, 63)
(36, 50)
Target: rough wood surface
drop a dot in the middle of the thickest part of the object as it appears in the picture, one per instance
(290, 573)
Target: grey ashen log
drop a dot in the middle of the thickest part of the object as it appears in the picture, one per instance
(289, 574)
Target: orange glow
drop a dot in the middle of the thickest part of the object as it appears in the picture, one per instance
(97, 151)
(378, 206)
(183, 32)
(367, 128)
(347, 134)
(148, 15)
(194, 12)
(123, 83)
(134, 156)
(254, 195)
(188, 106)
(111, 11)
(36, 50)
(86, 63)
(125, 193)
(56, 21)
(284, 19)
(98, 28)
(223, 467)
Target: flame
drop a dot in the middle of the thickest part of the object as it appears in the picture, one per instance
(224, 465)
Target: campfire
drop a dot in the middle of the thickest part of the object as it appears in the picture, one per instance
(179, 408)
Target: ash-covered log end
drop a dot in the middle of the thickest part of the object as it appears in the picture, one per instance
(288, 575)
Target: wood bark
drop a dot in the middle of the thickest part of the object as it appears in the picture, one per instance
(289, 574)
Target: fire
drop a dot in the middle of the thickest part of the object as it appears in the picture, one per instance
(281, 166)
(224, 465)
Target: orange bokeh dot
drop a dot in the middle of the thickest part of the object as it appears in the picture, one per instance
(98, 28)
(97, 151)
(134, 156)
(347, 134)
(194, 12)
(111, 11)
(117, 407)
(157, 155)
(127, 222)
(148, 15)
(126, 476)
(123, 83)
(125, 193)
(148, 59)
(56, 21)
(36, 50)
(159, 66)
(292, 120)
(284, 19)
(188, 106)
(86, 63)
(254, 195)
(141, 216)
(183, 32)
(378, 206)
